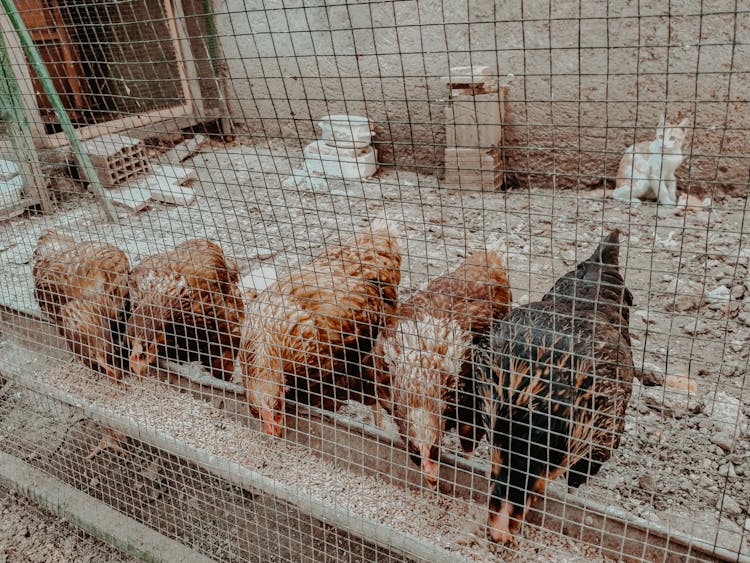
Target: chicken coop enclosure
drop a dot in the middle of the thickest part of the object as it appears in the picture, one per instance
(342, 280)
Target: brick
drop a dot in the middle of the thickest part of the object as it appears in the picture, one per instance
(117, 158)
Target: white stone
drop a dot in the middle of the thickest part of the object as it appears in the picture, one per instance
(259, 279)
(354, 131)
(728, 506)
(686, 294)
(726, 413)
(719, 294)
(8, 169)
(324, 160)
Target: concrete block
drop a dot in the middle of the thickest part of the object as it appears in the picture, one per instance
(169, 191)
(474, 121)
(471, 80)
(135, 198)
(325, 160)
(473, 168)
(180, 174)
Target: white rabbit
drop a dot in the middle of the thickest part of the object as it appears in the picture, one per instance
(647, 168)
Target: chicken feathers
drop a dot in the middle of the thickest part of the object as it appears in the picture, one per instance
(82, 288)
(555, 378)
(187, 306)
(307, 337)
(422, 358)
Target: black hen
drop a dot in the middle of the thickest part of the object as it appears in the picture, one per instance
(555, 378)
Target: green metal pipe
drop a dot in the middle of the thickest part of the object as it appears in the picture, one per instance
(14, 115)
(35, 59)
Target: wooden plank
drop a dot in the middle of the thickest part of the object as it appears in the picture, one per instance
(186, 60)
(118, 125)
(21, 114)
(474, 121)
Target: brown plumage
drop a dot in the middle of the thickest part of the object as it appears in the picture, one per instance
(307, 337)
(186, 305)
(82, 288)
(422, 358)
(555, 377)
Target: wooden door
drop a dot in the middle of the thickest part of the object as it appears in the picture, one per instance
(54, 39)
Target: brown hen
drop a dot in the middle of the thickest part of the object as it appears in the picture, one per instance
(307, 337)
(556, 377)
(82, 288)
(187, 306)
(422, 359)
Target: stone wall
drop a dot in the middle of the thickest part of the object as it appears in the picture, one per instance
(590, 77)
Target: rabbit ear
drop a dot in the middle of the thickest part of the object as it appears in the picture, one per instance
(684, 123)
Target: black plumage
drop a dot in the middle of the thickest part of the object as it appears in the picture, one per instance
(555, 378)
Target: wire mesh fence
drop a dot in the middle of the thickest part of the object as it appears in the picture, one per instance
(380, 281)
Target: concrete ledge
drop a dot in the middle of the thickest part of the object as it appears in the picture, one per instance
(91, 515)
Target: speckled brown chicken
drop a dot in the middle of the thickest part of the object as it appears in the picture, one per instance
(82, 288)
(424, 377)
(186, 305)
(307, 337)
(556, 377)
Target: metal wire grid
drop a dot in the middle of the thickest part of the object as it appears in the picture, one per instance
(295, 65)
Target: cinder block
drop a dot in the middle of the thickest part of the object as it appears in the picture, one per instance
(117, 158)
(474, 121)
(473, 168)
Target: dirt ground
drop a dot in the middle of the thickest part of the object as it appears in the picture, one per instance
(30, 534)
(684, 461)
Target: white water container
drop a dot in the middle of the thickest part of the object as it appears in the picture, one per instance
(346, 131)
(331, 161)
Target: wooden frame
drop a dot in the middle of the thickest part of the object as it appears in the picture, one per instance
(185, 66)
(29, 162)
